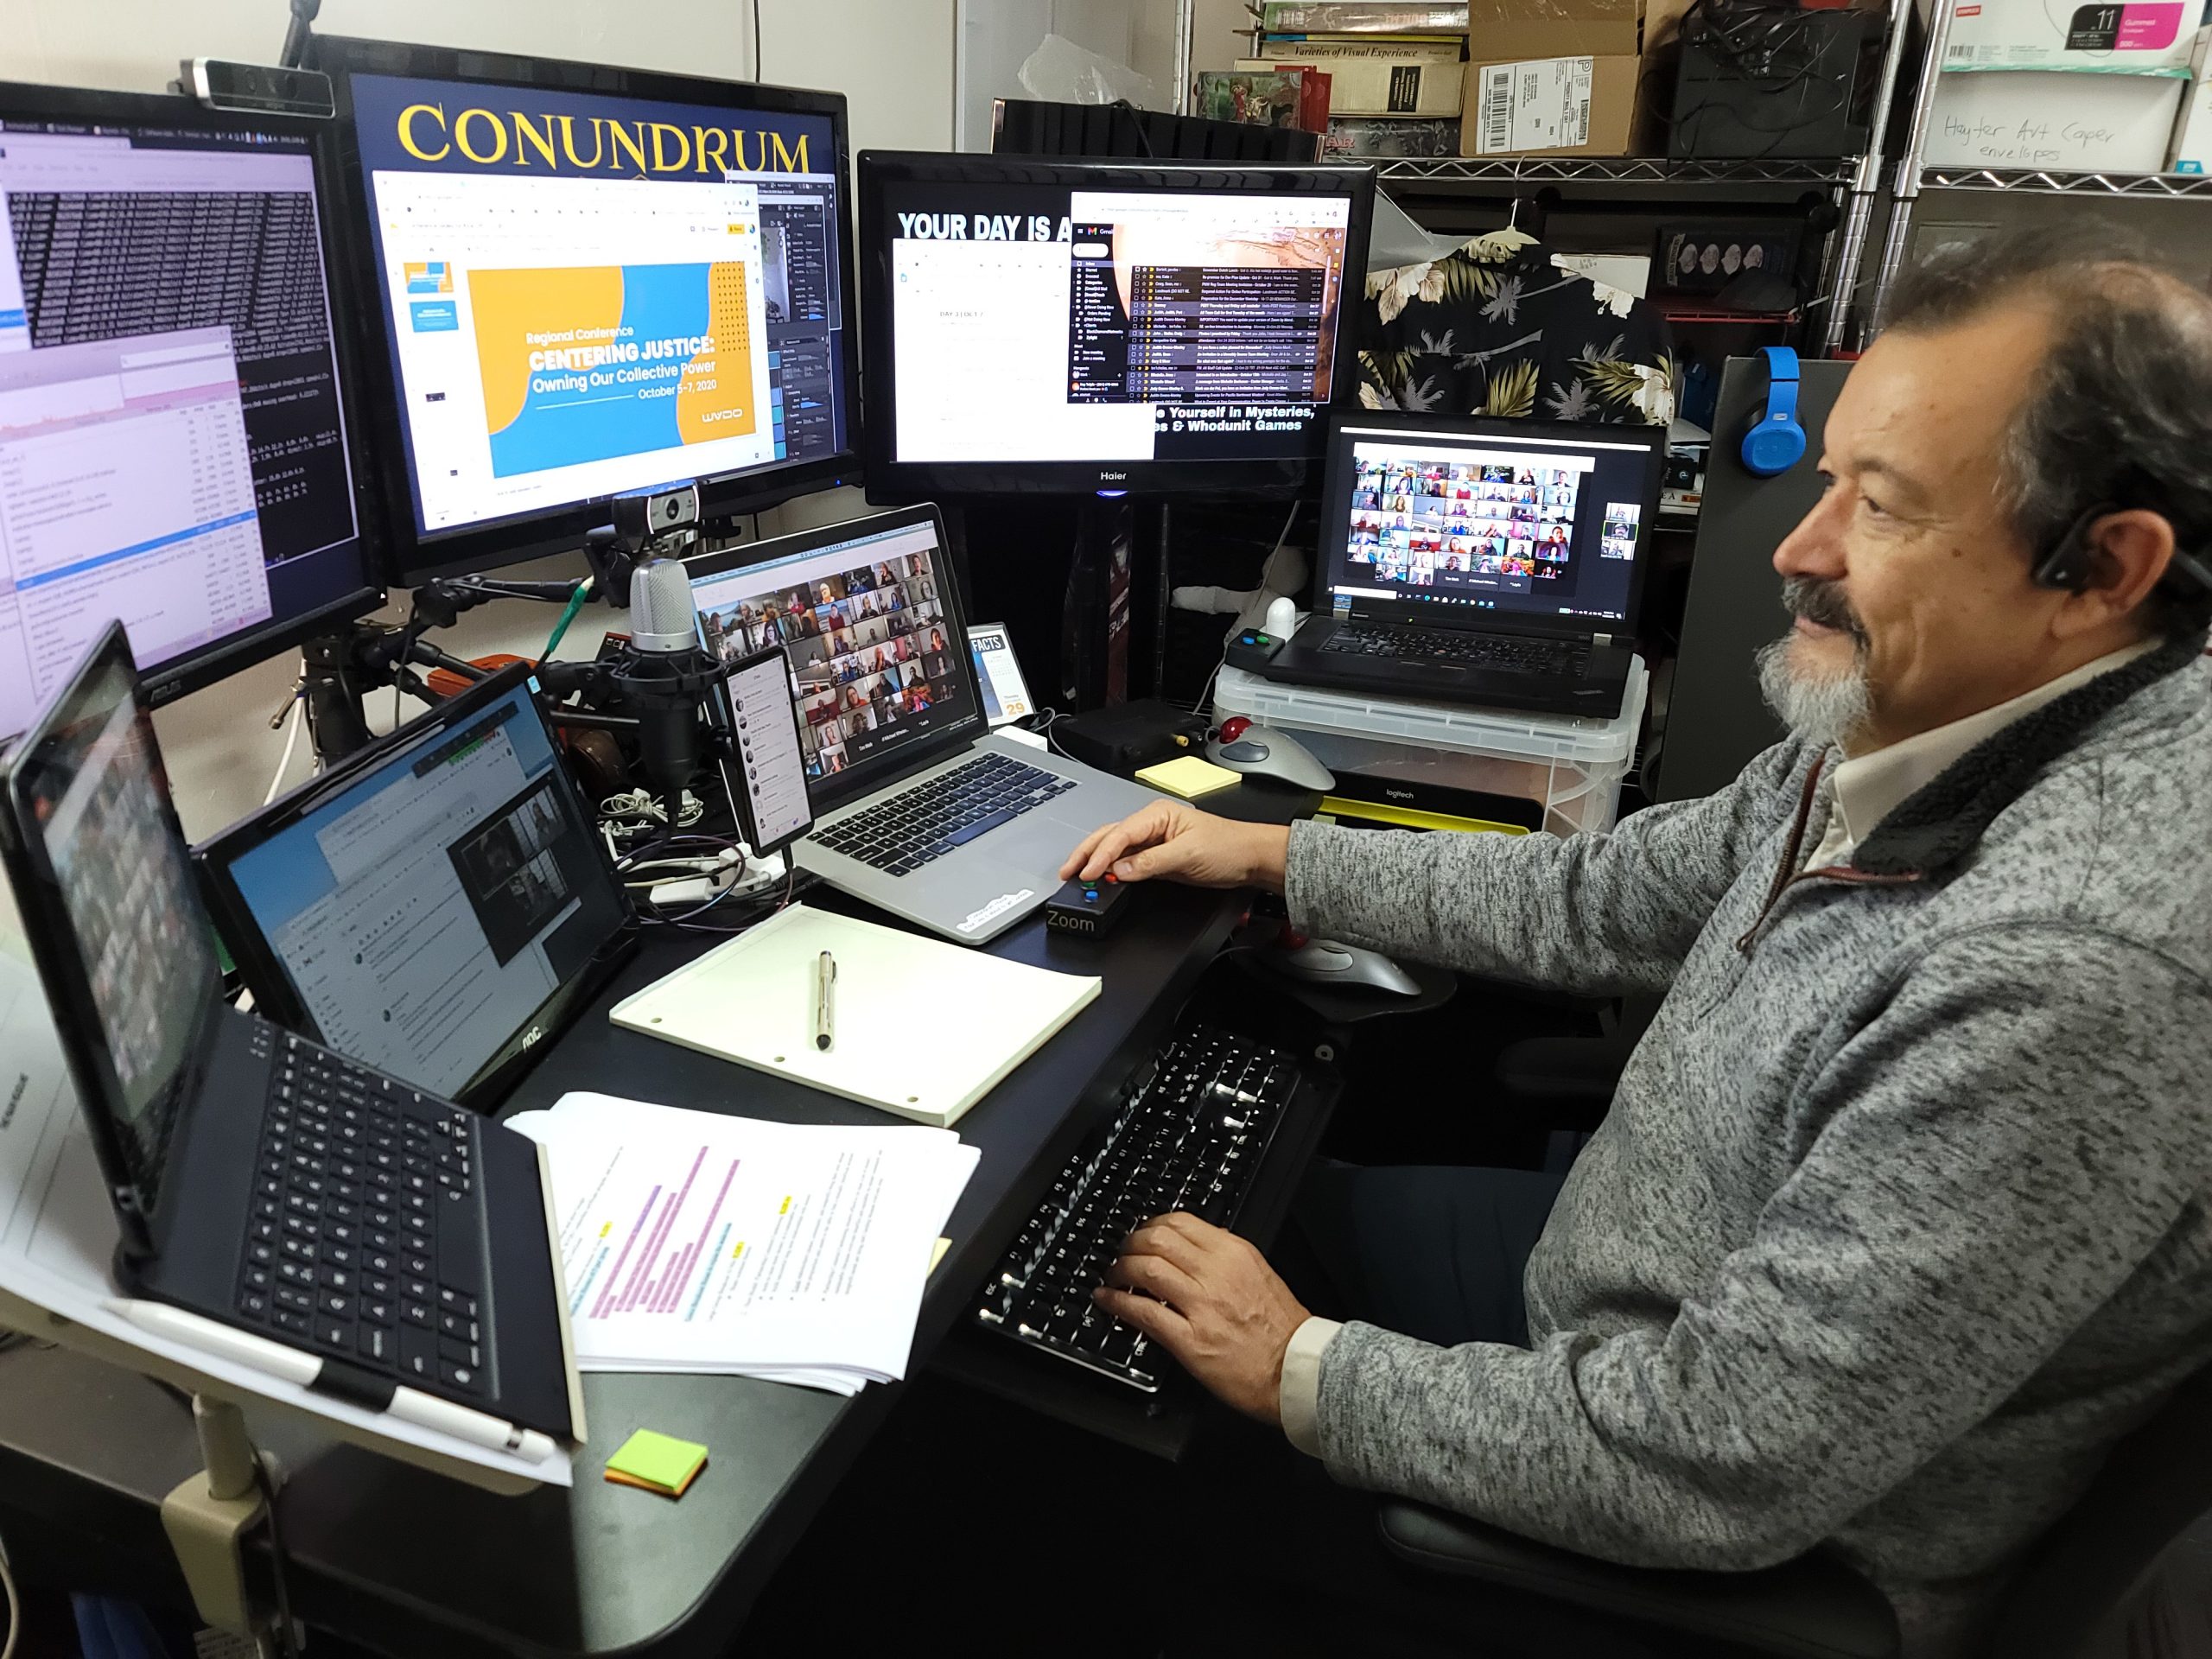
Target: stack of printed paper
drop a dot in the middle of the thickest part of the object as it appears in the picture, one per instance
(694, 1242)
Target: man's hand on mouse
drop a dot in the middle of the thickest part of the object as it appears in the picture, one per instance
(1177, 842)
(1211, 1300)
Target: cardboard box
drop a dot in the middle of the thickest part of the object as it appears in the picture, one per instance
(1552, 106)
(1561, 77)
(2132, 35)
(2055, 121)
(1379, 78)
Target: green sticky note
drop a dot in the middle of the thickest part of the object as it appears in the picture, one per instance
(659, 1461)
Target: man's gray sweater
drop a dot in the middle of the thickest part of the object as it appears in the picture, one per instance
(1899, 1217)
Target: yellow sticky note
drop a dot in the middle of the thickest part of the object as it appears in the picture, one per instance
(1188, 776)
(659, 1462)
(936, 1252)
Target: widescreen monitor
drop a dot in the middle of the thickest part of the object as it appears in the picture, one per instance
(176, 438)
(1063, 327)
(590, 281)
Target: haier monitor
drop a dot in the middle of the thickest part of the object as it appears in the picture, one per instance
(177, 440)
(1064, 327)
(590, 281)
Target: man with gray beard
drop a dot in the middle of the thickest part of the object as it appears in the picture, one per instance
(1902, 1214)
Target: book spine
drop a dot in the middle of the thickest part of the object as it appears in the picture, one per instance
(1362, 16)
(1380, 87)
(1314, 105)
(1306, 48)
(1387, 136)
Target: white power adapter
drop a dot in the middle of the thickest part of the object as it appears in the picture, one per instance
(728, 873)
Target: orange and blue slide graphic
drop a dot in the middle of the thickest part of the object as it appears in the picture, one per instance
(593, 363)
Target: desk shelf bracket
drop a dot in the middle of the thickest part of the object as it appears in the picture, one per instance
(208, 1515)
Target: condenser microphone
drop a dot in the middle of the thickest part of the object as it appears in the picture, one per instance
(667, 672)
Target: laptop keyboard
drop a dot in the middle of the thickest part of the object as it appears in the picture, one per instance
(1504, 650)
(918, 825)
(360, 1179)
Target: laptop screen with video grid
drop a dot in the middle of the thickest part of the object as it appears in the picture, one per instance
(1513, 522)
(877, 658)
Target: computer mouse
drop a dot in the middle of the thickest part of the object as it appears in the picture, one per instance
(1324, 962)
(1263, 752)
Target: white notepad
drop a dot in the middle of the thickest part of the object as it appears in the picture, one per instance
(924, 1029)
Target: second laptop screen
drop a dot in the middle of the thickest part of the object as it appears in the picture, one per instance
(1533, 525)
(425, 913)
(873, 647)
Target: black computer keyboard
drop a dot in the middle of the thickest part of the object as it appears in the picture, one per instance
(1477, 649)
(917, 825)
(359, 1198)
(1196, 1122)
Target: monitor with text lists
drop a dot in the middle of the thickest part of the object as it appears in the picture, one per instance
(1064, 326)
(176, 437)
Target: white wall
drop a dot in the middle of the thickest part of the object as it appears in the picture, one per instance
(1219, 35)
(891, 59)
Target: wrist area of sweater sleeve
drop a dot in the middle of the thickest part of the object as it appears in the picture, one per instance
(1300, 1396)
(1323, 877)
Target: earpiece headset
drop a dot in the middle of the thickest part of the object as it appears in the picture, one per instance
(1775, 442)
(2068, 562)
(2071, 559)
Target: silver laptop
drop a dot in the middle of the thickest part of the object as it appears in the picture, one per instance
(920, 808)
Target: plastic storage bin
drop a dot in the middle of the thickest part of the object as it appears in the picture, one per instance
(1569, 766)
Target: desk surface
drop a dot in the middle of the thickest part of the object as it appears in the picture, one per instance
(413, 1563)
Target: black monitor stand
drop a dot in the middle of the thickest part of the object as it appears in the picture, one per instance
(342, 669)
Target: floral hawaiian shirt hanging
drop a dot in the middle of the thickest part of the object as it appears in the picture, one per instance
(1500, 326)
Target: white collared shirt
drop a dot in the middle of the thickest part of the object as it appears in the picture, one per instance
(1866, 789)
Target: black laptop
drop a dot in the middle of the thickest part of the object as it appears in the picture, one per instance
(259, 1179)
(1480, 561)
(436, 906)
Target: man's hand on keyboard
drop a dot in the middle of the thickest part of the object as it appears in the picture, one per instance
(1168, 840)
(1213, 1302)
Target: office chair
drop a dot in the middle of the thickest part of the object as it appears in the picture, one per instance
(1569, 1081)
(2075, 1579)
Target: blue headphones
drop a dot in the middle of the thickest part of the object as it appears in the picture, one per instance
(1775, 442)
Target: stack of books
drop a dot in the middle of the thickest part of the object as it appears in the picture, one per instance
(1395, 68)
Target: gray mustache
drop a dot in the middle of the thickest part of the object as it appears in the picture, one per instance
(1821, 603)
